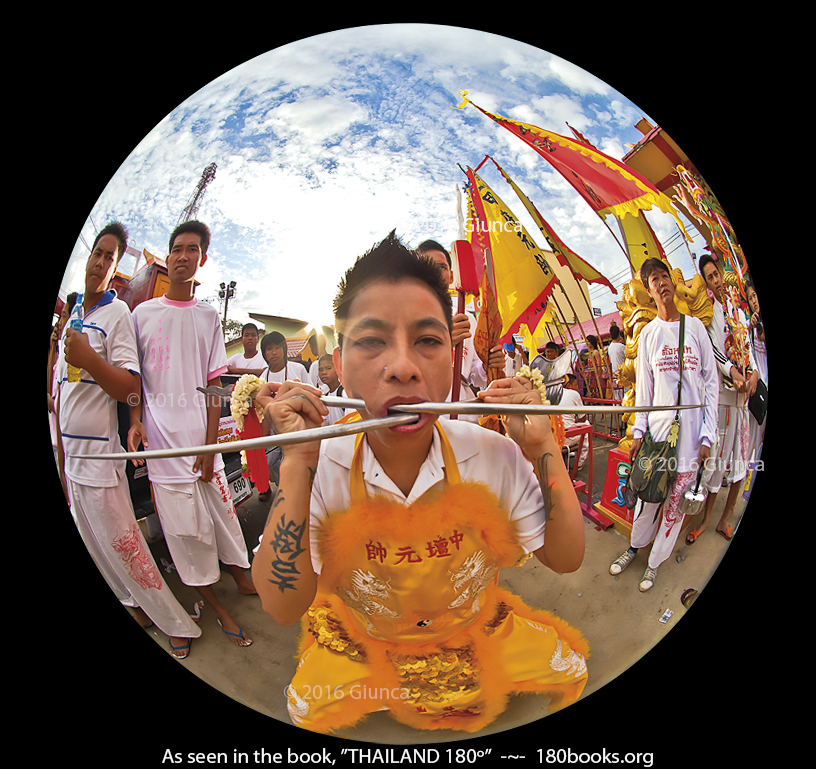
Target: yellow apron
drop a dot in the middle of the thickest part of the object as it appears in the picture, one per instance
(408, 607)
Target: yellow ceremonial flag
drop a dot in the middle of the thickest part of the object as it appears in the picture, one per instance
(580, 268)
(641, 242)
(521, 274)
(532, 339)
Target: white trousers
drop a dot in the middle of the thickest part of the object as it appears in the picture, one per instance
(729, 457)
(201, 528)
(573, 443)
(756, 435)
(665, 528)
(108, 527)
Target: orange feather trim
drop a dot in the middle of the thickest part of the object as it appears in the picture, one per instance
(470, 685)
(466, 504)
(495, 684)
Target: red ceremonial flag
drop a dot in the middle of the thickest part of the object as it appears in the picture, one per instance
(581, 138)
(256, 458)
(607, 185)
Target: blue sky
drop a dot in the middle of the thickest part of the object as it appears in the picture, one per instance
(326, 144)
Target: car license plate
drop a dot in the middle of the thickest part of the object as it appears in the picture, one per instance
(240, 489)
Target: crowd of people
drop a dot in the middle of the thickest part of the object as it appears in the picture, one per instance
(385, 545)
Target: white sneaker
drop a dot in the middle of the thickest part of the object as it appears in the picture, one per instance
(648, 579)
(622, 562)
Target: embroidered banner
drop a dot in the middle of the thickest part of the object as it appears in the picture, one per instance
(580, 268)
(607, 185)
(518, 271)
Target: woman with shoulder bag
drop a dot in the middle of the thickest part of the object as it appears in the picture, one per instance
(692, 431)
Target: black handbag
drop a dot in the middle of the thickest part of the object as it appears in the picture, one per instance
(758, 402)
(655, 465)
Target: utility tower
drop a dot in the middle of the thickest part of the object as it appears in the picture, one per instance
(191, 208)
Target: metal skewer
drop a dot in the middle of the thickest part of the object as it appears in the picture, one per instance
(474, 405)
(303, 436)
(400, 414)
(477, 406)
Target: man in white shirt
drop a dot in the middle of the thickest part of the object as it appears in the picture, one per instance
(106, 353)
(759, 363)
(617, 356)
(730, 453)
(516, 357)
(181, 347)
(398, 503)
(250, 361)
(658, 377)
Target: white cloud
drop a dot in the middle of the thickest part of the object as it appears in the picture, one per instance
(326, 144)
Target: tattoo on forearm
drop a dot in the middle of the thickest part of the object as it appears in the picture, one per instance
(267, 424)
(278, 499)
(287, 544)
(544, 482)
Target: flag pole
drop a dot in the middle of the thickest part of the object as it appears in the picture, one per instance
(581, 326)
(592, 316)
(566, 326)
(625, 250)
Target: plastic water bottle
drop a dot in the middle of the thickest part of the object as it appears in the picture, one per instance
(75, 323)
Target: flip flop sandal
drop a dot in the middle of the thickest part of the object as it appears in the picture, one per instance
(691, 537)
(239, 634)
(184, 647)
(727, 534)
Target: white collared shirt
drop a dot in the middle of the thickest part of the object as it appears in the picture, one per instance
(481, 454)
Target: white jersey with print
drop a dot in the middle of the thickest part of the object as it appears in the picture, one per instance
(658, 375)
(181, 347)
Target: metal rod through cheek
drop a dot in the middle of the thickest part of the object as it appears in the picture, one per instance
(285, 439)
(410, 415)
(480, 407)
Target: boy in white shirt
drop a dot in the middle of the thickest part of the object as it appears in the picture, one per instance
(329, 379)
(279, 369)
(106, 353)
(250, 361)
(181, 347)
(278, 366)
